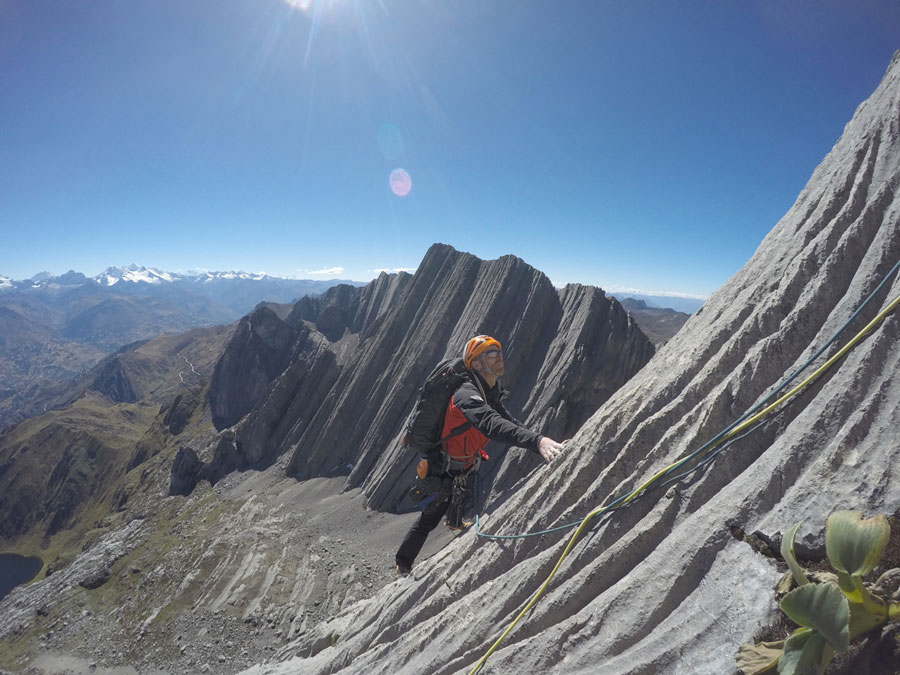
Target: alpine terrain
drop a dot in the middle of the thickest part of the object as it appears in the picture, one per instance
(203, 499)
(669, 582)
(53, 328)
(252, 526)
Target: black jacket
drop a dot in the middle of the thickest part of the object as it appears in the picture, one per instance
(491, 417)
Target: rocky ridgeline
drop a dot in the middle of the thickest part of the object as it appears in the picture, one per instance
(232, 563)
(290, 575)
(344, 308)
(332, 384)
(662, 585)
(67, 468)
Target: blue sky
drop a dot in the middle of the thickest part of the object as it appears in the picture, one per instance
(642, 145)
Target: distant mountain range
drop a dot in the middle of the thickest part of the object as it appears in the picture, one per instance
(142, 276)
(237, 292)
(55, 327)
(659, 324)
(678, 303)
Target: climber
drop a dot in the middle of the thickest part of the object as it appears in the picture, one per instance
(474, 415)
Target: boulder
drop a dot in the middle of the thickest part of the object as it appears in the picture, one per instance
(185, 472)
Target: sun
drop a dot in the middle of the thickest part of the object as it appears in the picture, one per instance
(302, 5)
(311, 5)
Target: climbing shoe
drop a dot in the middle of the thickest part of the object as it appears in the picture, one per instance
(403, 571)
(461, 526)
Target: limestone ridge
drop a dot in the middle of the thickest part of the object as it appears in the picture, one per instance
(256, 354)
(661, 586)
(452, 297)
(112, 381)
(344, 307)
(264, 345)
(275, 374)
(357, 356)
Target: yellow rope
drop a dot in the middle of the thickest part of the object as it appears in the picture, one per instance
(634, 493)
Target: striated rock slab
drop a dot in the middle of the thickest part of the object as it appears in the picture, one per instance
(87, 571)
(661, 586)
(339, 403)
(287, 404)
(256, 354)
(451, 297)
(347, 308)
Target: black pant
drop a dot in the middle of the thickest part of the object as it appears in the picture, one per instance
(429, 519)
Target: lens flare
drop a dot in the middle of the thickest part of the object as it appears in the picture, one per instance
(401, 183)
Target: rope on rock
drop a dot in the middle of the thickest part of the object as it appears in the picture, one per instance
(754, 418)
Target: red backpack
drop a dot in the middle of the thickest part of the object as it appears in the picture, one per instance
(462, 444)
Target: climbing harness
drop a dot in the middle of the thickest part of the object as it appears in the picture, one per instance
(459, 491)
(751, 420)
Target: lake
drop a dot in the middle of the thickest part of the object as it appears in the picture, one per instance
(15, 570)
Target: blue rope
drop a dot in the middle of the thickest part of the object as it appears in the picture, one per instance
(717, 437)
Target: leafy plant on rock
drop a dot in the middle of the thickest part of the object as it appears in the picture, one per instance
(831, 609)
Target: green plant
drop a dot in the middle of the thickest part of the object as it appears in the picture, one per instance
(832, 609)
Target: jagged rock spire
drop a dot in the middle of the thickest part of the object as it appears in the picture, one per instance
(334, 382)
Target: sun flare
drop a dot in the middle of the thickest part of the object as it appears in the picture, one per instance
(302, 5)
(312, 5)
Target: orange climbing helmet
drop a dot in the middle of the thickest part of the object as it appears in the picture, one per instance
(477, 346)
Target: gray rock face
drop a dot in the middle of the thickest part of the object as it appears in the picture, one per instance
(292, 398)
(257, 353)
(113, 382)
(661, 586)
(574, 344)
(89, 571)
(185, 472)
(346, 307)
(341, 404)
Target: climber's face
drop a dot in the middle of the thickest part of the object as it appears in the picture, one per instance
(491, 362)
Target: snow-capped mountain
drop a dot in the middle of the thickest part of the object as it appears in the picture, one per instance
(136, 275)
(163, 300)
(207, 277)
(151, 275)
(44, 281)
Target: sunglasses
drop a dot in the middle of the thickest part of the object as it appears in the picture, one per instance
(494, 353)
